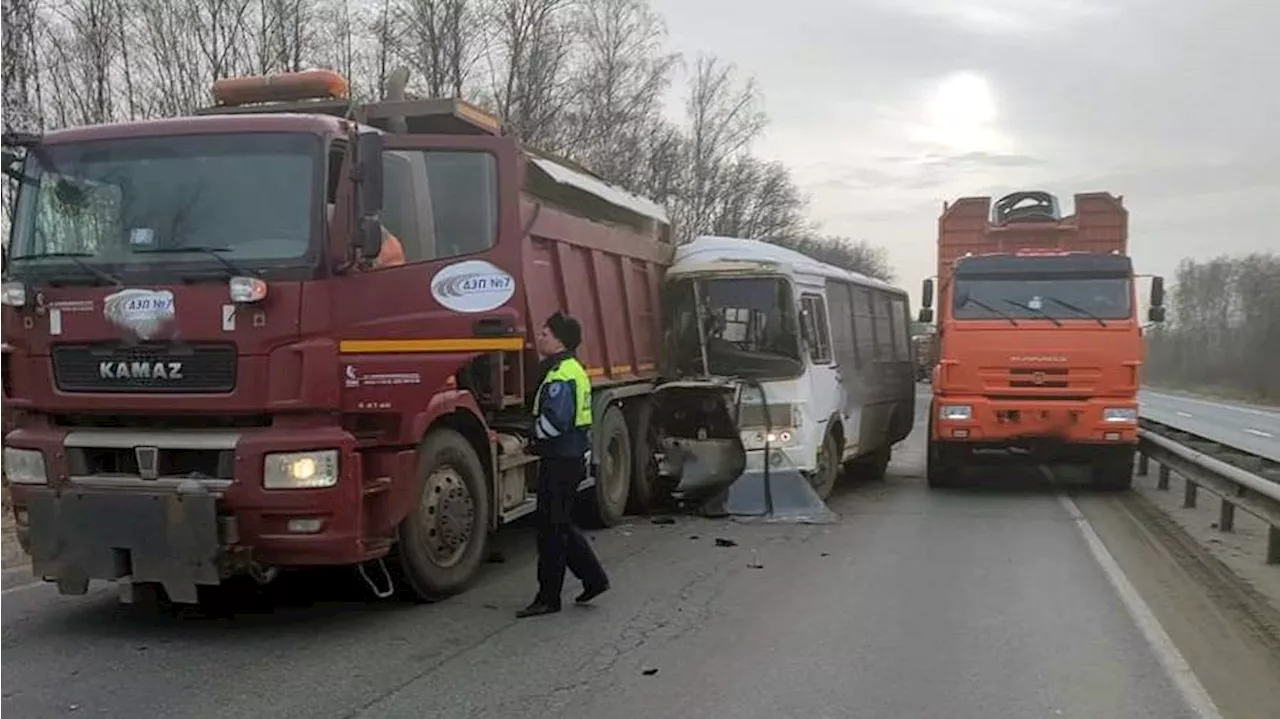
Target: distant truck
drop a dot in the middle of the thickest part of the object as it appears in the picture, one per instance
(1040, 348)
(208, 377)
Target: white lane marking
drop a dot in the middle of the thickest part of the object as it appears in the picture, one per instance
(1271, 414)
(1259, 433)
(1179, 671)
(1185, 414)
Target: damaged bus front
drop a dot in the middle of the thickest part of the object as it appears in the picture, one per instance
(761, 344)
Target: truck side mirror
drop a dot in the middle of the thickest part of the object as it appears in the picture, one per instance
(1156, 314)
(926, 295)
(1157, 292)
(926, 315)
(369, 193)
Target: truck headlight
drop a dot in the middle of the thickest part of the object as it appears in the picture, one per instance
(955, 411)
(300, 470)
(25, 466)
(1119, 414)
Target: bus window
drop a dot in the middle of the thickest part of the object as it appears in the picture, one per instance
(814, 322)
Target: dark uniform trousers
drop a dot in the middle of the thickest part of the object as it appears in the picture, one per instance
(560, 543)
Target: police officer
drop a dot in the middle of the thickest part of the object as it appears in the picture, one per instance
(561, 438)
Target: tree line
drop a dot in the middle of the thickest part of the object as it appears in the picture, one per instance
(1222, 332)
(583, 79)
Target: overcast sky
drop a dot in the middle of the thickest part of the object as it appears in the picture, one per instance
(885, 108)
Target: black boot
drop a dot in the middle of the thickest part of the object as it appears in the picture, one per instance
(589, 593)
(537, 609)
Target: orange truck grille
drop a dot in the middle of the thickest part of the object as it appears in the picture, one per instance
(1024, 380)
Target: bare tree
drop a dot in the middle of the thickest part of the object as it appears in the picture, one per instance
(724, 117)
(442, 43)
(530, 88)
(618, 88)
(21, 66)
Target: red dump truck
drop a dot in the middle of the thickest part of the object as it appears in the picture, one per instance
(215, 380)
(1040, 338)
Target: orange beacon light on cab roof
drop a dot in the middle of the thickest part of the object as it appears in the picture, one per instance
(305, 85)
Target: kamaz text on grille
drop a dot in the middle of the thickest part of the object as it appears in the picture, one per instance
(140, 370)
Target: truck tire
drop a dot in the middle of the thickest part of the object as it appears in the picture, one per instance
(941, 471)
(607, 500)
(1114, 471)
(442, 541)
(645, 483)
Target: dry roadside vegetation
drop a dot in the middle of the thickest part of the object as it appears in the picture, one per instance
(1222, 334)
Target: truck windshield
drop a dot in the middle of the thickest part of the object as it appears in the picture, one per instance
(1054, 299)
(162, 204)
(748, 323)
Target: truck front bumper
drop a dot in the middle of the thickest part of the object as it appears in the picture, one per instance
(182, 529)
(991, 421)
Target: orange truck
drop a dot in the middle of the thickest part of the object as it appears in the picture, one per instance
(1040, 341)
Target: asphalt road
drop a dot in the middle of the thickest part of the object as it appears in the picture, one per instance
(971, 604)
(1246, 427)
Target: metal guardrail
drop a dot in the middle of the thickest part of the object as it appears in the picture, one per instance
(1237, 478)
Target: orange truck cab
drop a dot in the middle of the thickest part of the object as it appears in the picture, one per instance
(1040, 342)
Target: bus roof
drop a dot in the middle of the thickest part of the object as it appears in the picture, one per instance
(707, 253)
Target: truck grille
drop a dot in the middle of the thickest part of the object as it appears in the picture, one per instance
(147, 368)
(1047, 380)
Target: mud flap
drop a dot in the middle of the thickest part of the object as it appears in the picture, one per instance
(163, 537)
(774, 492)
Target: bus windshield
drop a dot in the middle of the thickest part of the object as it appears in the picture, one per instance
(165, 205)
(749, 327)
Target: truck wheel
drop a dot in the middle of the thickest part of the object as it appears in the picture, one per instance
(607, 501)
(824, 476)
(1114, 473)
(940, 469)
(442, 541)
(645, 487)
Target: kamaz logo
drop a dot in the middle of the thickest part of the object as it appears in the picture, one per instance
(1038, 358)
(140, 370)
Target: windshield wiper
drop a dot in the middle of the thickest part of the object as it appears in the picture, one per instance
(1074, 308)
(967, 299)
(213, 252)
(78, 259)
(1029, 308)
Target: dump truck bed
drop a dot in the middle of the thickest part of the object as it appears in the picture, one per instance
(1100, 224)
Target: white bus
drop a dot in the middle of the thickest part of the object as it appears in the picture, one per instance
(830, 348)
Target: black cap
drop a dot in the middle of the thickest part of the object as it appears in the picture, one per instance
(566, 329)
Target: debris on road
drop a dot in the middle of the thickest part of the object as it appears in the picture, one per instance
(649, 672)
(755, 561)
(663, 520)
(722, 542)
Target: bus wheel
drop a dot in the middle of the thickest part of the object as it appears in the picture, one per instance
(824, 475)
(645, 481)
(442, 541)
(608, 498)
